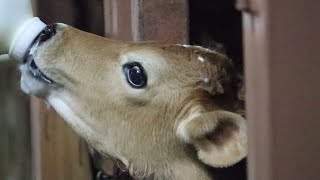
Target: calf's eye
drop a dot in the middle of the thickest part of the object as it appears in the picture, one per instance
(135, 75)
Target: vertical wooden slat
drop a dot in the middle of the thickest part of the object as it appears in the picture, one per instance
(118, 19)
(15, 148)
(281, 57)
(258, 108)
(137, 20)
(59, 152)
(36, 139)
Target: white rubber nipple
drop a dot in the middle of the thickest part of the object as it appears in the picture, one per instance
(18, 28)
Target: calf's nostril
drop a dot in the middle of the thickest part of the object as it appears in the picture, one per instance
(33, 65)
(48, 32)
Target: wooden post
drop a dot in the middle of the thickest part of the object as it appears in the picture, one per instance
(282, 41)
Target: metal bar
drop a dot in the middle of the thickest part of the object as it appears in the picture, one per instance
(4, 57)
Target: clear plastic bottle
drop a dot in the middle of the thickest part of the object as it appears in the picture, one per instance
(18, 28)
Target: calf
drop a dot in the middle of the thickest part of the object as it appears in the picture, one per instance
(165, 111)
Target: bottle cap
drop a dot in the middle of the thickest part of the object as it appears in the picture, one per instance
(24, 37)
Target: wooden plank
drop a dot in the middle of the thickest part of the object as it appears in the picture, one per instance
(138, 20)
(282, 60)
(161, 20)
(15, 151)
(118, 19)
(60, 153)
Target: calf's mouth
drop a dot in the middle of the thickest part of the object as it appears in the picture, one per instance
(33, 69)
(29, 65)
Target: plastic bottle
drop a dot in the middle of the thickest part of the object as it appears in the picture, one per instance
(18, 28)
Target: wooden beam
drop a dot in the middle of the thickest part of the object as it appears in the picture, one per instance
(281, 56)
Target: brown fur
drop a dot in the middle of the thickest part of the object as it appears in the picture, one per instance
(169, 130)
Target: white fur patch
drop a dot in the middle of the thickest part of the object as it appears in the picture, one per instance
(181, 129)
(197, 47)
(200, 58)
(206, 80)
(78, 124)
(62, 25)
(34, 48)
(29, 84)
(68, 114)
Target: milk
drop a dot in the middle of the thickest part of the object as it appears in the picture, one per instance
(18, 28)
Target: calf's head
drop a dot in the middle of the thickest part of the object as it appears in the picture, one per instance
(163, 110)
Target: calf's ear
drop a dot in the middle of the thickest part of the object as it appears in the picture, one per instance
(220, 137)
